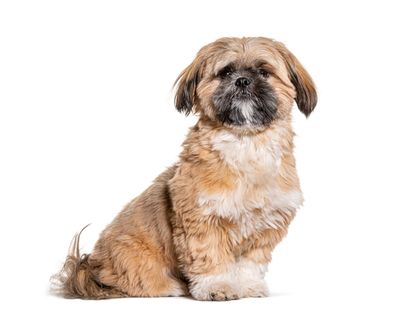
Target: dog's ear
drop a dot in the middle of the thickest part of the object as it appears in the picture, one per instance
(186, 85)
(306, 94)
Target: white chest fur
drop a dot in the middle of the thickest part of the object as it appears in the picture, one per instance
(257, 161)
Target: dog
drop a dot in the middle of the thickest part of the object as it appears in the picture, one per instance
(206, 227)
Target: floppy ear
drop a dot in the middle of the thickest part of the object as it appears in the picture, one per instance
(306, 94)
(186, 85)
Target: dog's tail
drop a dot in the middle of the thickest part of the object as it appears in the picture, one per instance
(77, 279)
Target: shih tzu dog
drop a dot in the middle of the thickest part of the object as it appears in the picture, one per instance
(207, 225)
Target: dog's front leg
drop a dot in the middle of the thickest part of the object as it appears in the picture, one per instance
(205, 255)
(240, 279)
(208, 258)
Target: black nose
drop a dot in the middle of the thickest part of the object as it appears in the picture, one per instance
(242, 82)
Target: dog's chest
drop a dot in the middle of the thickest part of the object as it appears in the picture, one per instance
(252, 203)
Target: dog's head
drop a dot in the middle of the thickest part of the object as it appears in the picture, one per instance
(244, 83)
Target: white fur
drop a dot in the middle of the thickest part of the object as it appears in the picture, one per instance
(244, 154)
(242, 279)
(258, 164)
(247, 110)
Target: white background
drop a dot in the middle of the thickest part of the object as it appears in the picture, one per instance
(87, 121)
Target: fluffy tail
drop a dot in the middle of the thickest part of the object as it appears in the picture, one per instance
(76, 278)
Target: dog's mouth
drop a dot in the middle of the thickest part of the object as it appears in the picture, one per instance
(245, 107)
(243, 96)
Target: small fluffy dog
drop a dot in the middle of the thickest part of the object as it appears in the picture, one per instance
(207, 225)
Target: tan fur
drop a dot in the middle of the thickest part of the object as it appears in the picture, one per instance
(170, 241)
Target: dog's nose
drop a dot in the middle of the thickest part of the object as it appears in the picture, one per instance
(242, 82)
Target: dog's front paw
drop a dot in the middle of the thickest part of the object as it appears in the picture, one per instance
(215, 292)
(256, 290)
(243, 280)
(223, 291)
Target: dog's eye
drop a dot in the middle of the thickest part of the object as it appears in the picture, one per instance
(226, 72)
(263, 73)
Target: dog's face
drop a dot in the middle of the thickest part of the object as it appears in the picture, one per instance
(244, 83)
(244, 96)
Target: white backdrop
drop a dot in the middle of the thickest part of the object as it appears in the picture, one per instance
(87, 121)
